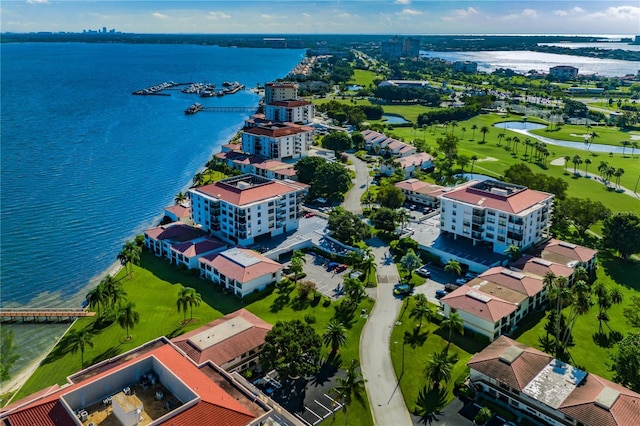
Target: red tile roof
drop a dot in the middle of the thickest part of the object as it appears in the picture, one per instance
(227, 263)
(41, 412)
(566, 250)
(517, 374)
(421, 187)
(414, 160)
(523, 283)
(179, 211)
(241, 196)
(514, 203)
(278, 130)
(228, 349)
(476, 303)
(198, 247)
(176, 231)
(540, 267)
(204, 413)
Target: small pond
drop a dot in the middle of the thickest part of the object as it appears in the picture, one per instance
(474, 176)
(354, 87)
(394, 119)
(520, 125)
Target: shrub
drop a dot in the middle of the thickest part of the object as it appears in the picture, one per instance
(310, 319)
(326, 303)
(483, 416)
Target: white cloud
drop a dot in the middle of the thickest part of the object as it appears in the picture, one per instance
(402, 2)
(159, 15)
(461, 14)
(37, 1)
(623, 12)
(218, 15)
(412, 12)
(306, 15)
(575, 11)
(530, 13)
(560, 12)
(265, 16)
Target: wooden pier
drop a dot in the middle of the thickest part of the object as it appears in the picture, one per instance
(37, 315)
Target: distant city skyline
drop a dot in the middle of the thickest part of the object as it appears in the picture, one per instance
(325, 16)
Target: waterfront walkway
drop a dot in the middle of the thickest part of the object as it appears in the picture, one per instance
(38, 314)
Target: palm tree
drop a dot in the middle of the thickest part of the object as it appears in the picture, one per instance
(198, 179)
(421, 312)
(514, 252)
(500, 137)
(354, 289)
(127, 317)
(593, 136)
(473, 135)
(634, 146)
(114, 291)
(580, 303)
(369, 265)
(335, 335)
(297, 264)
(402, 215)
(577, 160)
(130, 255)
(454, 124)
(474, 158)
(602, 168)
(97, 297)
(452, 322)
(484, 130)
(180, 198)
(79, 340)
(618, 174)
(188, 297)
(453, 267)
(625, 144)
(566, 162)
(439, 368)
(516, 141)
(508, 140)
(350, 387)
(463, 130)
(587, 161)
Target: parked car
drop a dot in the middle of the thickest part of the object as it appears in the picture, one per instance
(423, 271)
(462, 281)
(332, 266)
(310, 214)
(440, 294)
(470, 275)
(341, 268)
(321, 200)
(450, 287)
(402, 289)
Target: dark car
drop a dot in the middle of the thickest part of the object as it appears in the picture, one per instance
(332, 266)
(440, 294)
(402, 289)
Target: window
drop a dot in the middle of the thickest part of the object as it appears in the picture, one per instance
(501, 239)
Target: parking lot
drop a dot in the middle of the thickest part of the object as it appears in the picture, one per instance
(328, 283)
(435, 282)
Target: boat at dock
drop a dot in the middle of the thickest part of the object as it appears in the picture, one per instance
(193, 109)
(235, 88)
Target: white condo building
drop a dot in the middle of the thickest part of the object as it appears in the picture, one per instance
(279, 141)
(290, 110)
(280, 91)
(496, 213)
(241, 208)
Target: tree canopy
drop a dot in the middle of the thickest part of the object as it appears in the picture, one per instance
(384, 219)
(582, 213)
(337, 141)
(626, 362)
(390, 196)
(306, 168)
(347, 227)
(621, 232)
(292, 348)
(330, 179)
(8, 353)
(521, 174)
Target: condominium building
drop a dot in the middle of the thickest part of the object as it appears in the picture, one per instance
(417, 191)
(496, 213)
(241, 208)
(534, 384)
(279, 141)
(564, 72)
(280, 91)
(290, 110)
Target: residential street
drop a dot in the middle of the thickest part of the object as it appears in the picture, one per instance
(387, 404)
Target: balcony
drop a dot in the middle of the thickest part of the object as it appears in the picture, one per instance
(477, 228)
(477, 221)
(514, 236)
(516, 221)
(476, 235)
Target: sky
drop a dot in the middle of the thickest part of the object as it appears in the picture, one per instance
(606, 17)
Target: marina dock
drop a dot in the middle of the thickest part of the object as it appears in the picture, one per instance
(38, 315)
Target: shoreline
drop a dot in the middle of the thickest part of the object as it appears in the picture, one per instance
(15, 383)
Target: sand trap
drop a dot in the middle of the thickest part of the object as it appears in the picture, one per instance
(583, 136)
(634, 137)
(558, 162)
(487, 159)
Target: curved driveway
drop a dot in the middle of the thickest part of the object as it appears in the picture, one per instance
(385, 398)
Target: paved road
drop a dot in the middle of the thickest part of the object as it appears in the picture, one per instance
(385, 398)
(387, 404)
(352, 199)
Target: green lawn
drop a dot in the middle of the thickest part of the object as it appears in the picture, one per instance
(411, 348)
(589, 352)
(575, 133)
(363, 78)
(154, 288)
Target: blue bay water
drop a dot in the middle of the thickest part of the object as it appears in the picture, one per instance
(85, 165)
